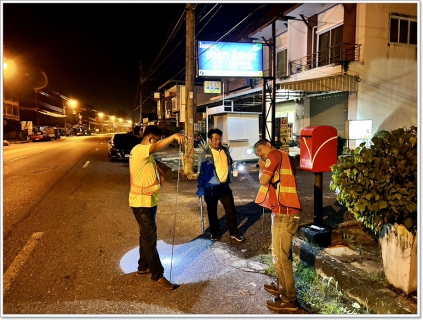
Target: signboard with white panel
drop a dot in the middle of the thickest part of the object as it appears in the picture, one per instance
(229, 59)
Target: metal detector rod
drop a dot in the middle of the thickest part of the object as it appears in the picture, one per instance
(202, 216)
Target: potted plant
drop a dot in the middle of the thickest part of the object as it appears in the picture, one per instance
(378, 184)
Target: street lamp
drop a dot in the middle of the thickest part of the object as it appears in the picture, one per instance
(73, 104)
(100, 115)
(112, 118)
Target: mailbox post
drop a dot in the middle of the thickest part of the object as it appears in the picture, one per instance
(318, 151)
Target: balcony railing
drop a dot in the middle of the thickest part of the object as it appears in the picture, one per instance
(339, 54)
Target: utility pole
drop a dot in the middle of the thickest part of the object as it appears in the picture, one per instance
(140, 95)
(189, 90)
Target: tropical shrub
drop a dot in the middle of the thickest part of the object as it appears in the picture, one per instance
(378, 184)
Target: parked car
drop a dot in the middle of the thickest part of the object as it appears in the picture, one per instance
(40, 136)
(47, 134)
(120, 146)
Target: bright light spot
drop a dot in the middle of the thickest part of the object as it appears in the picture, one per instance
(249, 151)
(9, 69)
(241, 167)
(72, 103)
(184, 263)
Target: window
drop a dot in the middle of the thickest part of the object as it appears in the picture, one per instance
(330, 44)
(282, 64)
(403, 30)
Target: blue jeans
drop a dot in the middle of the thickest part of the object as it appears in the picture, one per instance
(149, 256)
(284, 227)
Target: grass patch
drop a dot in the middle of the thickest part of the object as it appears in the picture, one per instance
(322, 295)
(378, 277)
(267, 260)
(316, 294)
(353, 243)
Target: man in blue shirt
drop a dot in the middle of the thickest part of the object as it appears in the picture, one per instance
(214, 177)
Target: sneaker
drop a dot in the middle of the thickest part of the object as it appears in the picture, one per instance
(166, 284)
(277, 305)
(238, 237)
(272, 288)
(144, 271)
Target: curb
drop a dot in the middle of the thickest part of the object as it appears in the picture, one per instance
(377, 298)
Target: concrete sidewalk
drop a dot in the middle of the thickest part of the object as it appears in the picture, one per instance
(351, 253)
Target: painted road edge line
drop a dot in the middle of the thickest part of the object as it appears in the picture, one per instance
(86, 165)
(20, 260)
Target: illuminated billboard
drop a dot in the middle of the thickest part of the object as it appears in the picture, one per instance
(229, 59)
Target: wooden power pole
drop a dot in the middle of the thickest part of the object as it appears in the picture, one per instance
(189, 90)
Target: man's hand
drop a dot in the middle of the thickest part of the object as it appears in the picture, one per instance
(200, 192)
(181, 138)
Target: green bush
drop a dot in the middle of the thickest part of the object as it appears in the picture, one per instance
(378, 184)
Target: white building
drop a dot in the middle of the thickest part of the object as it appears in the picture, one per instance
(333, 64)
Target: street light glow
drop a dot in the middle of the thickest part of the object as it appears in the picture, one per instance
(72, 103)
(9, 68)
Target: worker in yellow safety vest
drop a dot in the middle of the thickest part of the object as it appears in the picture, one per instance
(144, 198)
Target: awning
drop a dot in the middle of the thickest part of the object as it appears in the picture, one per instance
(51, 114)
(341, 82)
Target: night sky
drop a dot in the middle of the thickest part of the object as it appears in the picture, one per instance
(92, 51)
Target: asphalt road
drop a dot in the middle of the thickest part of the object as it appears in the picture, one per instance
(70, 240)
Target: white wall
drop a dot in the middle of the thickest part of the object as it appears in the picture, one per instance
(330, 19)
(297, 47)
(387, 93)
(241, 131)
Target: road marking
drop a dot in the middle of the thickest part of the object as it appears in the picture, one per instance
(86, 165)
(20, 260)
(28, 155)
(96, 149)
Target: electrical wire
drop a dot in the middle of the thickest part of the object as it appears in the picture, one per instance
(172, 35)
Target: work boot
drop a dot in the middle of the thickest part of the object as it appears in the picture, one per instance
(272, 288)
(278, 305)
(166, 284)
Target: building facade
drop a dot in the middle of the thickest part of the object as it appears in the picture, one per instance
(352, 66)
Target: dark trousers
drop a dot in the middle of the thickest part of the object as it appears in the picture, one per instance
(222, 193)
(149, 256)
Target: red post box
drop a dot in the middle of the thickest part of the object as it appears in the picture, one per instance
(318, 148)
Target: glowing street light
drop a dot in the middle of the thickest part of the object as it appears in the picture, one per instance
(100, 115)
(73, 104)
(9, 68)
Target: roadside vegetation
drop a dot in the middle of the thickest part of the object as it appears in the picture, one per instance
(316, 294)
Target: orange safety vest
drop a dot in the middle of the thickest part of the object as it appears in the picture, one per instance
(146, 191)
(286, 188)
